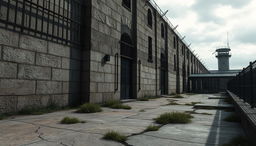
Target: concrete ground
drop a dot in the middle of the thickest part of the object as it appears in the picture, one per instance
(45, 130)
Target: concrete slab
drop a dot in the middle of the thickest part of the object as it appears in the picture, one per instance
(207, 127)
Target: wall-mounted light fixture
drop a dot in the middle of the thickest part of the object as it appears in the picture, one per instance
(106, 59)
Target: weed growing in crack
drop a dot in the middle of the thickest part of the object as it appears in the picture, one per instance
(115, 136)
(89, 108)
(152, 128)
(192, 103)
(174, 117)
(69, 120)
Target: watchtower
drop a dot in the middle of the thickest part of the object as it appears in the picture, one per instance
(223, 56)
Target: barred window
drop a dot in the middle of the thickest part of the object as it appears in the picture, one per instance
(57, 21)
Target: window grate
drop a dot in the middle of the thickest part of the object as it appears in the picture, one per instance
(53, 20)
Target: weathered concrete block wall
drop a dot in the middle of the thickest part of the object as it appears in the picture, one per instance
(148, 79)
(35, 72)
(171, 53)
(107, 17)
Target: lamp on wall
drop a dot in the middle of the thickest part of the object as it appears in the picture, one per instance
(106, 58)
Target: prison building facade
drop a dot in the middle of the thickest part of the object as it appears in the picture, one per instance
(68, 52)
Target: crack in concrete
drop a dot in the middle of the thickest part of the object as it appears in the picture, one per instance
(78, 131)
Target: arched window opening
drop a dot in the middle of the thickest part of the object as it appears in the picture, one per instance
(127, 4)
(150, 18)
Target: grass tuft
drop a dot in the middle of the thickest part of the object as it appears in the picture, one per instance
(142, 110)
(175, 96)
(2, 116)
(89, 108)
(174, 117)
(173, 103)
(115, 136)
(192, 103)
(110, 103)
(121, 106)
(238, 141)
(233, 118)
(152, 128)
(31, 110)
(69, 120)
(114, 104)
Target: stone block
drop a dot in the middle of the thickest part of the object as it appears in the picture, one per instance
(32, 43)
(16, 87)
(60, 100)
(9, 38)
(18, 55)
(8, 104)
(96, 77)
(108, 96)
(1, 52)
(48, 87)
(95, 97)
(59, 50)
(34, 72)
(8, 70)
(93, 87)
(60, 75)
(65, 87)
(28, 102)
(109, 78)
(65, 63)
(48, 60)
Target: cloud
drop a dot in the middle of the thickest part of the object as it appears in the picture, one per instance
(205, 24)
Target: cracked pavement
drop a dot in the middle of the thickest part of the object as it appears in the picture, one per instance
(45, 130)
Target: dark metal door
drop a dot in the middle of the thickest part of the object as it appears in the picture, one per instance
(126, 78)
(163, 81)
(163, 74)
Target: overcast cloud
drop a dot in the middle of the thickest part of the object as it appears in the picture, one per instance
(205, 24)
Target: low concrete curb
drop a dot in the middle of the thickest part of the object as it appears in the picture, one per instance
(248, 116)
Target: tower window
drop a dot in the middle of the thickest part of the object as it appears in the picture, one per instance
(150, 21)
(127, 4)
(150, 53)
(162, 30)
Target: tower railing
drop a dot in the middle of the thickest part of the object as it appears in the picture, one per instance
(244, 84)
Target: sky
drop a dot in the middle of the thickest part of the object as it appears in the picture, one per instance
(206, 23)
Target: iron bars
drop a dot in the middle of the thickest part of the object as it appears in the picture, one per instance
(244, 84)
(54, 20)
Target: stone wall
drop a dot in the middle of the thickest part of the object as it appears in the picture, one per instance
(107, 17)
(35, 72)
